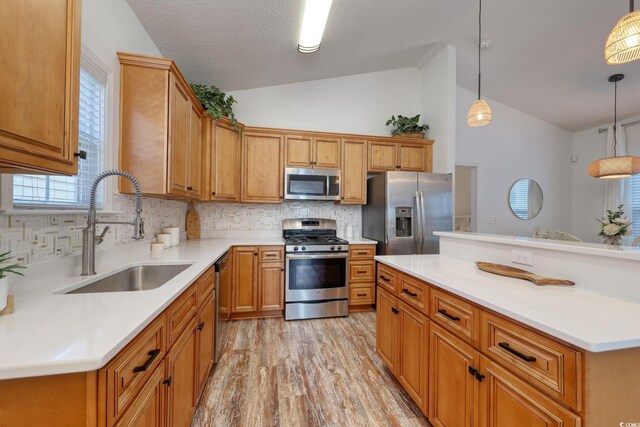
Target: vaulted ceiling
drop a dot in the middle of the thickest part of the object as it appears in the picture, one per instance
(546, 57)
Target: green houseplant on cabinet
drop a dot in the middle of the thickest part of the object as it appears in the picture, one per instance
(407, 127)
(216, 102)
(4, 280)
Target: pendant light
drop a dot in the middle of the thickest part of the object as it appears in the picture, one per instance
(623, 44)
(616, 166)
(480, 113)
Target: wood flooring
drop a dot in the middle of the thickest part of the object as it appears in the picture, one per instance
(322, 372)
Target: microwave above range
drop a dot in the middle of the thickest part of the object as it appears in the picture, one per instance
(311, 184)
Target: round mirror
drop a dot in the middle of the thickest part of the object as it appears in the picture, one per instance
(525, 198)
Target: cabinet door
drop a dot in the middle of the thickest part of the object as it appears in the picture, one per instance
(382, 156)
(182, 370)
(262, 168)
(453, 387)
(508, 401)
(245, 295)
(413, 157)
(39, 81)
(354, 172)
(206, 341)
(326, 153)
(195, 155)
(271, 286)
(413, 355)
(149, 407)
(179, 138)
(387, 328)
(225, 164)
(299, 153)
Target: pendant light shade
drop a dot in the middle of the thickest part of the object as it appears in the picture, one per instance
(616, 166)
(480, 113)
(623, 44)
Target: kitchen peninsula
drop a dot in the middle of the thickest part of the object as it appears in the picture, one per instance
(563, 356)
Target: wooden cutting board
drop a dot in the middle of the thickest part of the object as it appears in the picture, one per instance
(516, 273)
(193, 223)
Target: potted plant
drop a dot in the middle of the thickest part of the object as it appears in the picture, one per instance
(614, 227)
(407, 127)
(216, 102)
(4, 280)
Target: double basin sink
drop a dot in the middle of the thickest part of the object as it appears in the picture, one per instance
(136, 278)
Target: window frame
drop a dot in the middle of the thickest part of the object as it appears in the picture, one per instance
(92, 63)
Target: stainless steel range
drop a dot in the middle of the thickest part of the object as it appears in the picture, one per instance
(316, 284)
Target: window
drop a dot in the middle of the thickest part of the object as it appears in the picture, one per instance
(634, 215)
(43, 191)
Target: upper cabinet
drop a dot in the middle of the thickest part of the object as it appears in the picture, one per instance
(312, 152)
(262, 167)
(39, 83)
(161, 130)
(223, 154)
(403, 155)
(354, 172)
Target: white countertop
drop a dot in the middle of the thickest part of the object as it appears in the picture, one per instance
(588, 320)
(359, 240)
(51, 333)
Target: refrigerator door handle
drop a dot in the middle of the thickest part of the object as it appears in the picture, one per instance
(419, 222)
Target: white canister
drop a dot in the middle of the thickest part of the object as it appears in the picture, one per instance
(4, 292)
(164, 238)
(175, 234)
(349, 231)
(157, 247)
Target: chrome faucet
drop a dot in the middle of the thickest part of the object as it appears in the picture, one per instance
(89, 238)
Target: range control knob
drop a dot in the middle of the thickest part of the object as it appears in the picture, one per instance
(339, 248)
(332, 247)
(304, 249)
(295, 248)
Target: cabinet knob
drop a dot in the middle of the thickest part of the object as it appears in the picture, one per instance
(213, 193)
(168, 381)
(200, 326)
(189, 188)
(81, 154)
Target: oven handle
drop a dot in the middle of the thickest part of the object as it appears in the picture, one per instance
(318, 256)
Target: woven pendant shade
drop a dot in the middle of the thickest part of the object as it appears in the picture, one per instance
(614, 167)
(479, 114)
(623, 44)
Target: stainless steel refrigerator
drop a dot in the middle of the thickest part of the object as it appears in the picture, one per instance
(404, 209)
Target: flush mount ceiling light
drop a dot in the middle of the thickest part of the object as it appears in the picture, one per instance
(314, 20)
(623, 44)
(616, 166)
(480, 113)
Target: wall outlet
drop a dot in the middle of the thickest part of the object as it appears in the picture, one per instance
(493, 220)
(522, 257)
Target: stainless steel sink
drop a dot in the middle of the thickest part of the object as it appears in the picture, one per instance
(138, 278)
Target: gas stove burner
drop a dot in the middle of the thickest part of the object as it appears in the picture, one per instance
(296, 239)
(312, 235)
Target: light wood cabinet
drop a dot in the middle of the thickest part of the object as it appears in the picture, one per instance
(354, 172)
(245, 276)
(206, 340)
(39, 86)
(223, 161)
(387, 328)
(453, 386)
(262, 167)
(182, 374)
(362, 277)
(413, 353)
(149, 407)
(387, 155)
(312, 152)
(160, 128)
(271, 286)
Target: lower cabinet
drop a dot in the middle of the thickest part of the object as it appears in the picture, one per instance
(245, 277)
(271, 286)
(386, 329)
(362, 276)
(206, 340)
(182, 376)
(258, 281)
(148, 409)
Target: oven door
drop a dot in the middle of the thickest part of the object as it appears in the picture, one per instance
(316, 277)
(311, 184)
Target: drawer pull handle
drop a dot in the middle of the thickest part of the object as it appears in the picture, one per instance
(407, 291)
(522, 356)
(200, 326)
(362, 253)
(394, 310)
(152, 356)
(168, 381)
(386, 279)
(271, 255)
(362, 272)
(448, 316)
(362, 295)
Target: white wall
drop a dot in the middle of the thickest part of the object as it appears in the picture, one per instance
(515, 145)
(438, 102)
(463, 191)
(359, 103)
(588, 192)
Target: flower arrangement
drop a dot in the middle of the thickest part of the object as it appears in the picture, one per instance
(614, 226)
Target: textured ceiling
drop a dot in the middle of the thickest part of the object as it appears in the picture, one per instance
(546, 59)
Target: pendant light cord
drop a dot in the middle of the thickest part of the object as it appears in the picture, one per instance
(615, 117)
(631, 6)
(480, 43)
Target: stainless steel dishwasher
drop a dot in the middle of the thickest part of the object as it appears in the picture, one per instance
(223, 302)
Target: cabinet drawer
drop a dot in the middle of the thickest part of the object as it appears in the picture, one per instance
(180, 313)
(205, 285)
(148, 407)
(414, 292)
(547, 364)
(270, 253)
(386, 278)
(362, 251)
(456, 315)
(361, 296)
(361, 271)
(128, 372)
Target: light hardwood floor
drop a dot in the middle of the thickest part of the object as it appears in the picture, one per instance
(321, 372)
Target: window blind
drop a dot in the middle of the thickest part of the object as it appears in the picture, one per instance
(634, 214)
(73, 191)
(519, 198)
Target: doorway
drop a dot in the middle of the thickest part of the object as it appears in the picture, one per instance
(465, 198)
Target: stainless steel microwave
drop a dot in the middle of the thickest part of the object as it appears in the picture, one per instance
(311, 184)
